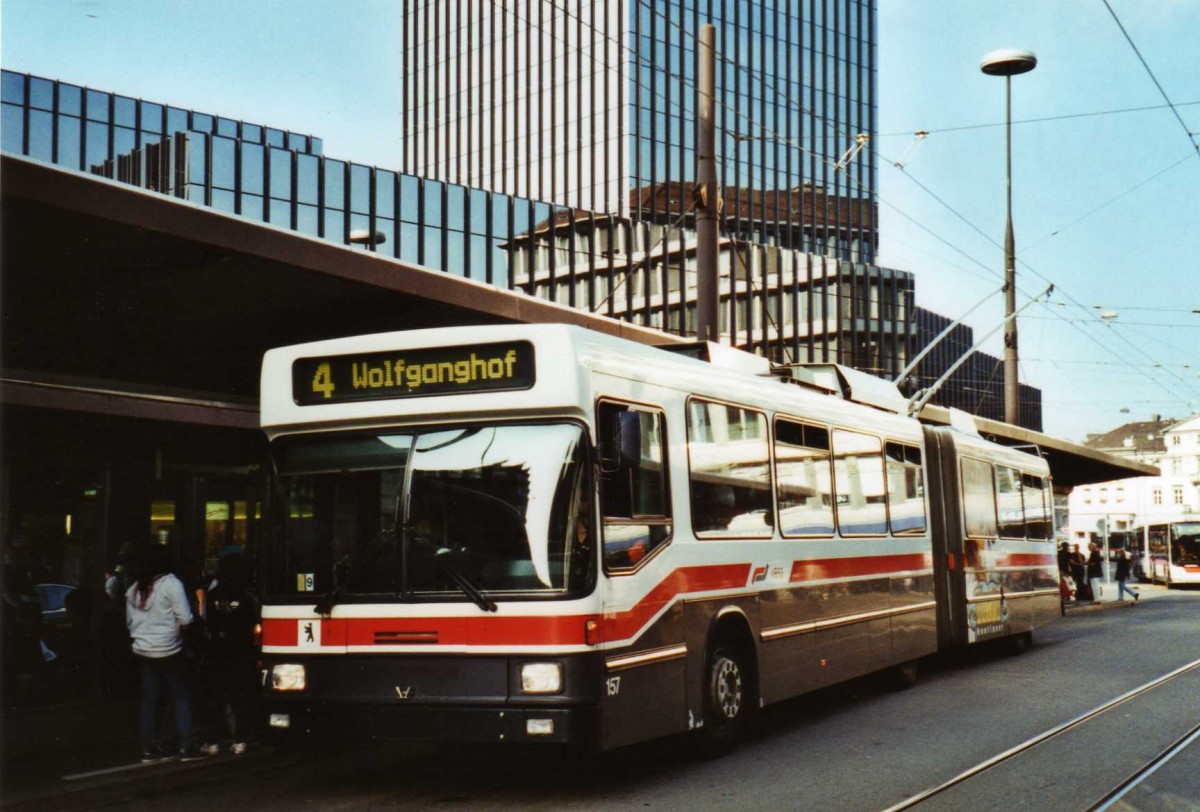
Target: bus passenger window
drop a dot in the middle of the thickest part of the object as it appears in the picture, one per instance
(906, 490)
(1008, 503)
(979, 499)
(803, 479)
(730, 472)
(1039, 510)
(859, 483)
(634, 502)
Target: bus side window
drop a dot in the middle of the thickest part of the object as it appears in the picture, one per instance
(979, 499)
(1038, 518)
(1008, 503)
(634, 505)
(803, 479)
(906, 489)
(729, 468)
(859, 482)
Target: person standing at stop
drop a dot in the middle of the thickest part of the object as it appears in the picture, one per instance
(157, 613)
(231, 614)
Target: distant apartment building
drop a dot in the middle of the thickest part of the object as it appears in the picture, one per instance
(1173, 445)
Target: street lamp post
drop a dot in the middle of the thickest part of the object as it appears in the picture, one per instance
(1008, 63)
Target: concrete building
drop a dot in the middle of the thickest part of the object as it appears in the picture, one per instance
(1119, 505)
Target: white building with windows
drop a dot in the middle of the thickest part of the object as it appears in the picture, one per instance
(1116, 506)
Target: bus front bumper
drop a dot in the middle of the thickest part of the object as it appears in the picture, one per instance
(442, 724)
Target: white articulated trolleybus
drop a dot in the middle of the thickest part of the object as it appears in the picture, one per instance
(542, 533)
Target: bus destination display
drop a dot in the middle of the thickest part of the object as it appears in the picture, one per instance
(413, 373)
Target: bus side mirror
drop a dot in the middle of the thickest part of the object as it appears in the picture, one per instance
(621, 449)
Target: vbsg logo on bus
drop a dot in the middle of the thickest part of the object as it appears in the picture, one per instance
(413, 373)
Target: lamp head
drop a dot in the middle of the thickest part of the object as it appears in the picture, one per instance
(1007, 62)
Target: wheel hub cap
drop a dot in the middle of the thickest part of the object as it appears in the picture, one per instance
(729, 689)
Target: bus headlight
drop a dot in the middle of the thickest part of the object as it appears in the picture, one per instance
(288, 677)
(541, 678)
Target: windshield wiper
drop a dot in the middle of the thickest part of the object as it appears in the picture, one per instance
(325, 605)
(442, 559)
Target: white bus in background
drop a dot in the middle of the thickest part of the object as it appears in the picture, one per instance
(1170, 550)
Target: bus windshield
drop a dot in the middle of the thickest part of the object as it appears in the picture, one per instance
(1185, 543)
(458, 514)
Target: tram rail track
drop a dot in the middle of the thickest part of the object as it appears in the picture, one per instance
(1131, 783)
(1117, 792)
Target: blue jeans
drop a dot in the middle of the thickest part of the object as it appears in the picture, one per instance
(173, 673)
(1122, 589)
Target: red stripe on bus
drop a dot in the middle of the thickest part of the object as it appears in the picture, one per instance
(827, 568)
(279, 632)
(525, 630)
(622, 625)
(1028, 560)
(500, 630)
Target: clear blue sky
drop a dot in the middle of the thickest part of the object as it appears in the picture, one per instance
(1107, 207)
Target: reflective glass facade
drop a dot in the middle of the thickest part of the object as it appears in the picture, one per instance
(81, 128)
(592, 105)
(795, 86)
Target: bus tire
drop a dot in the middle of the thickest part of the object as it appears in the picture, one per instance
(728, 697)
(903, 676)
(1020, 643)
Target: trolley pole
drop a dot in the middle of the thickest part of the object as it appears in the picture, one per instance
(708, 200)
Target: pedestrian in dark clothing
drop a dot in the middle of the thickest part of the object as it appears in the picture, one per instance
(1064, 560)
(1079, 575)
(1095, 569)
(1124, 565)
(231, 672)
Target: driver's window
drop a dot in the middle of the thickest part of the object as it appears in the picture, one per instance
(634, 502)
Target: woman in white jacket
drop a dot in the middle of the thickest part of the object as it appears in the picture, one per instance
(157, 612)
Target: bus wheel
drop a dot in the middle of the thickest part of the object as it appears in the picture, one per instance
(903, 676)
(1020, 643)
(728, 692)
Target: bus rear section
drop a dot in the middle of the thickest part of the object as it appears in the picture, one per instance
(995, 561)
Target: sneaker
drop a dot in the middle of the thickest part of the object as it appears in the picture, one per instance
(1136, 596)
(193, 754)
(155, 756)
(210, 749)
(238, 748)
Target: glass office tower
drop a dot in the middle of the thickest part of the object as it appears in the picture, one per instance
(591, 105)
